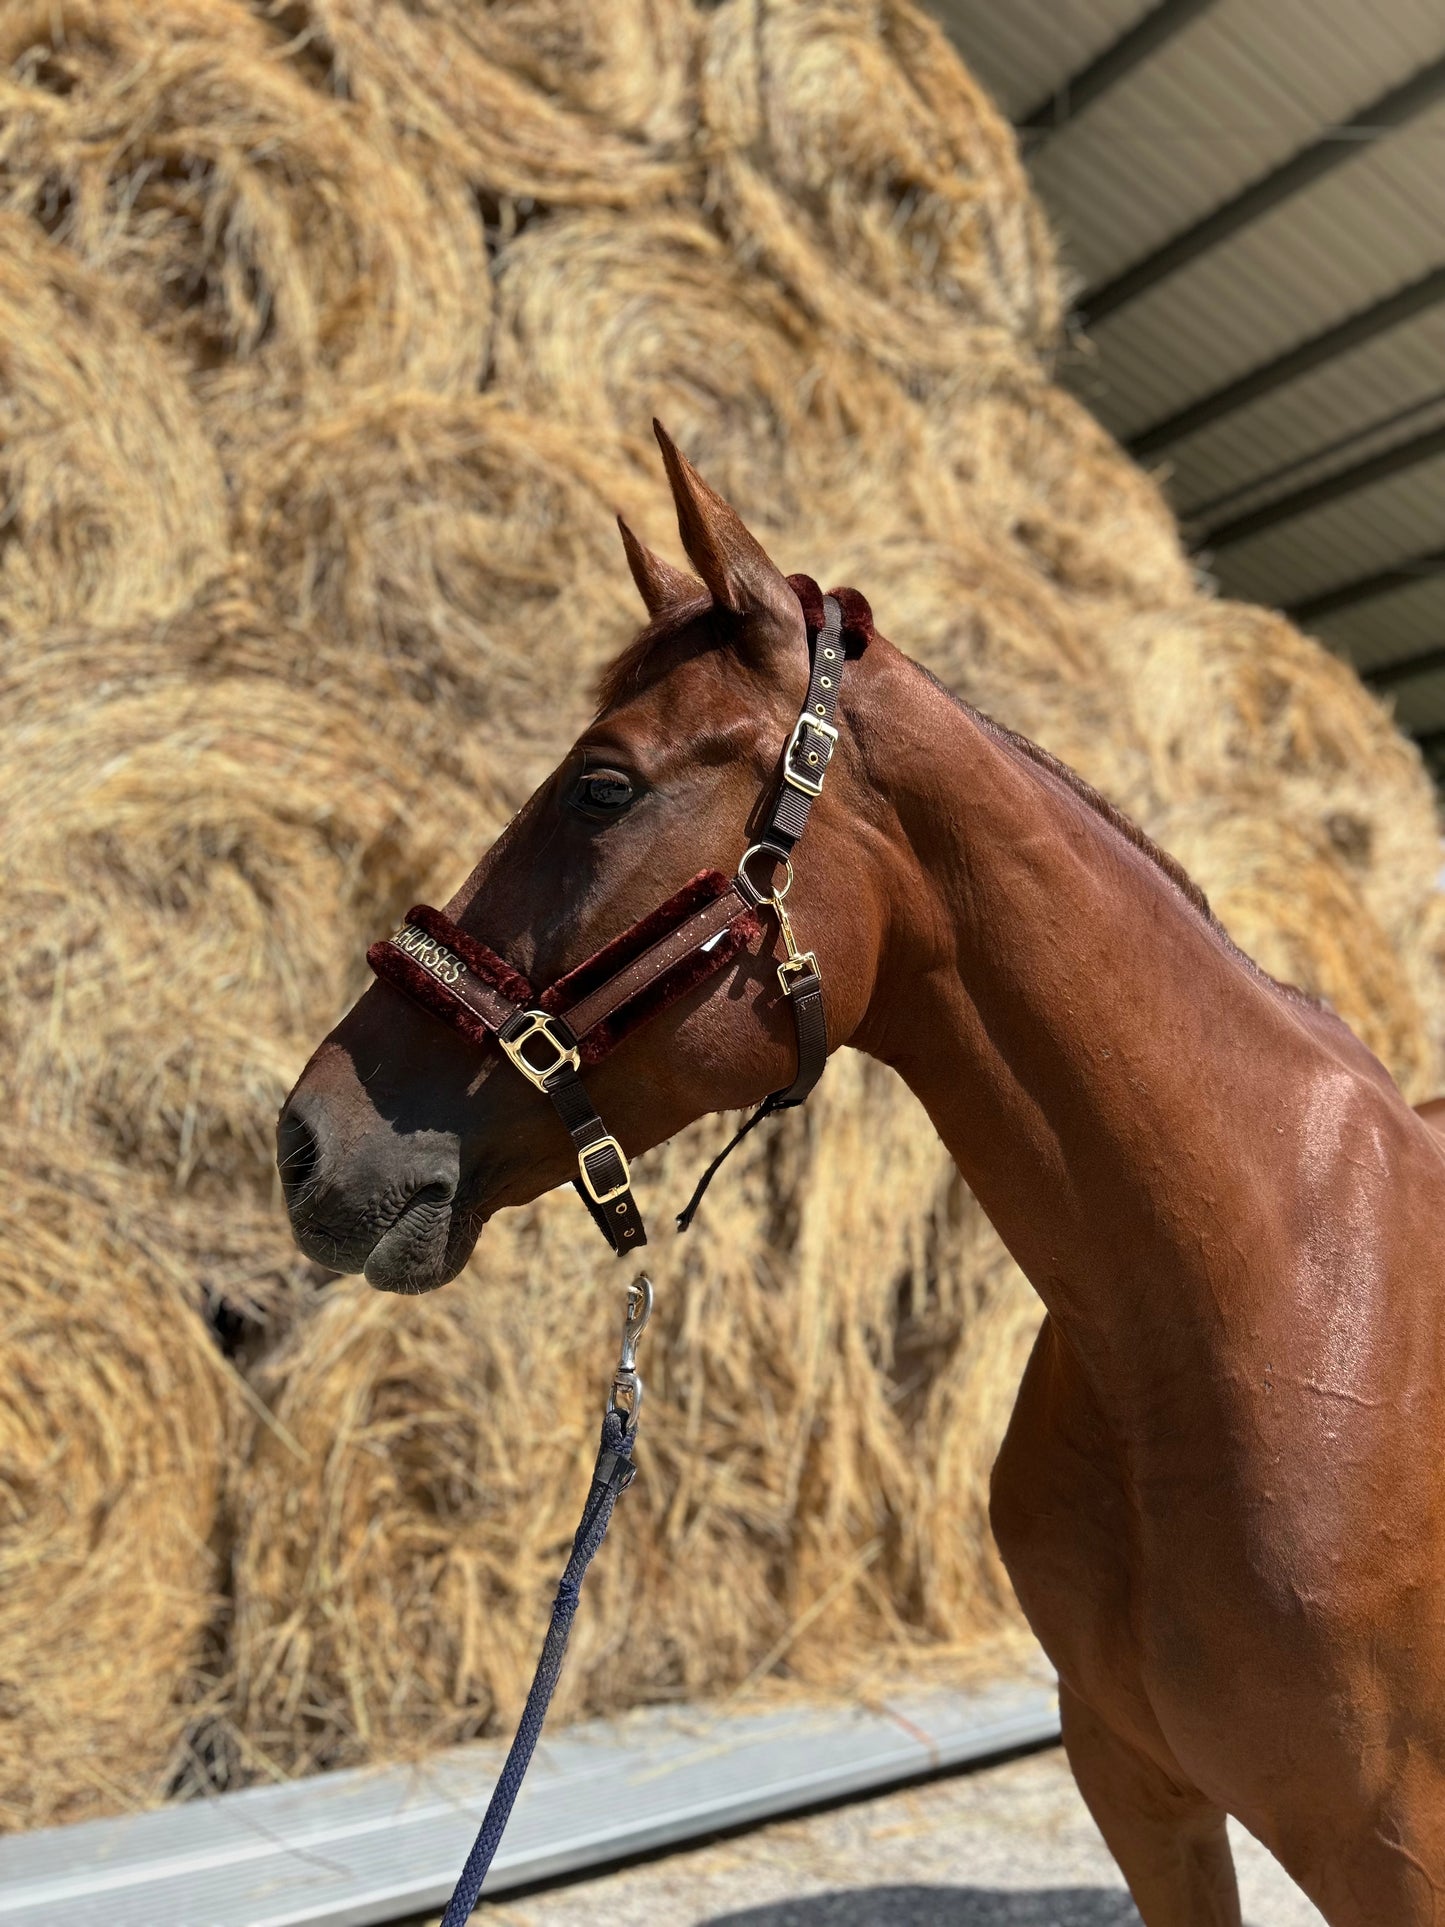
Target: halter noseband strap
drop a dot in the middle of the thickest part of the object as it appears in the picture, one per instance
(585, 1014)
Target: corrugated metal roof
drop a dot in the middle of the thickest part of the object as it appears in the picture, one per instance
(1255, 174)
(1365, 230)
(1348, 538)
(1391, 629)
(1230, 97)
(1372, 384)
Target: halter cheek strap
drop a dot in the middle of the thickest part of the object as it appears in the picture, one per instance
(691, 936)
(805, 764)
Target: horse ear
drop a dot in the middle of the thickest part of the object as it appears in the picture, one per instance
(661, 586)
(730, 560)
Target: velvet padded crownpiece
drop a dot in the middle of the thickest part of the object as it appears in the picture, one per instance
(688, 972)
(857, 615)
(481, 961)
(398, 970)
(811, 597)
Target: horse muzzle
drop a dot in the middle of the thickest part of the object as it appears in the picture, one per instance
(381, 1203)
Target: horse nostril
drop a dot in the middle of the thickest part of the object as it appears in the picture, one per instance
(438, 1192)
(297, 1154)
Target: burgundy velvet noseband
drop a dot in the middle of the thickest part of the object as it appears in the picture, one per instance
(441, 967)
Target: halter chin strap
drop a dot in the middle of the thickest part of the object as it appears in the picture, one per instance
(585, 1014)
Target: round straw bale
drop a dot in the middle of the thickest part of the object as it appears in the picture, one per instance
(628, 65)
(550, 100)
(193, 870)
(977, 614)
(269, 235)
(855, 158)
(1034, 464)
(111, 497)
(1231, 690)
(469, 545)
(390, 1594)
(604, 321)
(113, 1422)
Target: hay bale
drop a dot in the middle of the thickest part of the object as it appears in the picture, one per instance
(111, 496)
(450, 539)
(552, 101)
(194, 867)
(604, 321)
(855, 160)
(1285, 896)
(628, 67)
(272, 238)
(114, 1415)
(977, 613)
(1036, 469)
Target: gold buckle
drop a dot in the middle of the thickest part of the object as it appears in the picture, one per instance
(604, 1144)
(539, 1023)
(790, 967)
(809, 785)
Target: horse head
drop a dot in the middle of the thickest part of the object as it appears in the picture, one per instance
(401, 1137)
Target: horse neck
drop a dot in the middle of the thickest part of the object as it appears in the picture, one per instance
(1090, 1047)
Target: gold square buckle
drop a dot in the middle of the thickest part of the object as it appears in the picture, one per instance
(809, 785)
(591, 1151)
(792, 967)
(539, 1024)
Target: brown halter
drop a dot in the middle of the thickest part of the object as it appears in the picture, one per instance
(688, 938)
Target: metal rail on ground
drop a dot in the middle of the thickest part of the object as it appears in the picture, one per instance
(382, 1844)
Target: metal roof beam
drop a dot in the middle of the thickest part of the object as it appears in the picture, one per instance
(1353, 332)
(1389, 675)
(1391, 111)
(1365, 588)
(1134, 46)
(1267, 482)
(1330, 488)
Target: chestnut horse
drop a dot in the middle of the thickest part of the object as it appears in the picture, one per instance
(1220, 1499)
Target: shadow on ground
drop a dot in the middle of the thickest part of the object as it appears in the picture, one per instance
(944, 1907)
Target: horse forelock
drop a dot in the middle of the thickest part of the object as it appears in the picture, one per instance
(638, 663)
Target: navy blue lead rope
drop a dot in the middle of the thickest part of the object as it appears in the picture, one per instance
(611, 1476)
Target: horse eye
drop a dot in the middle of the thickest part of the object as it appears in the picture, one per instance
(602, 792)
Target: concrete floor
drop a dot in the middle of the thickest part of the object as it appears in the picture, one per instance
(1009, 1847)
